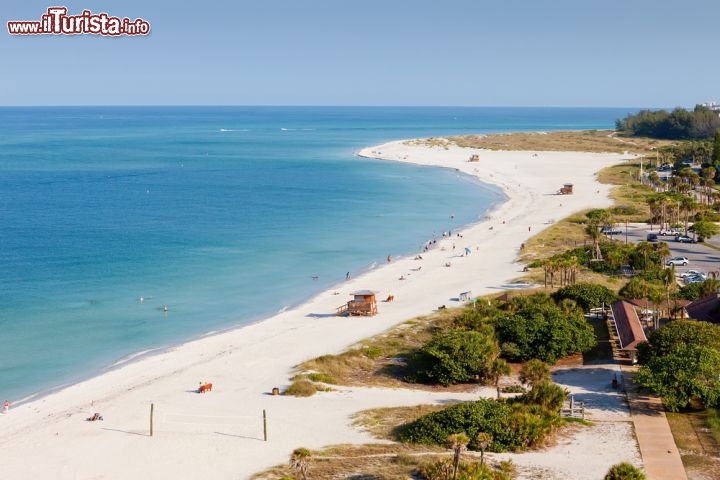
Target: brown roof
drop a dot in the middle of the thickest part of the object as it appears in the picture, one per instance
(664, 305)
(627, 325)
(706, 309)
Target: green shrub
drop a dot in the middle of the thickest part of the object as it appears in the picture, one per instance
(512, 426)
(547, 395)
(535, 327)
(624, 471)
(483, 415)
(514, 388)
(301, 388)
(534, 371)
(456, 356)
(373, 352)
(586, 295)
(698, 290)
(442, 470)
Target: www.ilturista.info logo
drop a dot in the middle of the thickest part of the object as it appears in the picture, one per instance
(57, 22)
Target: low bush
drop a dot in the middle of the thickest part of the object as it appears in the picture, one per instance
(301, 388)
(443, 469)
(514, 388)
(624, 471)
(513, 425)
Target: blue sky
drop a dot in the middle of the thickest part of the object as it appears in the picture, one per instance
(626, 53)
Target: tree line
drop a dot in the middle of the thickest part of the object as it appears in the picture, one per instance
(680, 124)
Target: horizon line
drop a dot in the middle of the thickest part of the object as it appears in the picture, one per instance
(328, 106)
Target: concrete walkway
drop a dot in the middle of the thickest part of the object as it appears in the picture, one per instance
(657, 446)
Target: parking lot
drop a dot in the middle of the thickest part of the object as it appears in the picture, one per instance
(701, 257)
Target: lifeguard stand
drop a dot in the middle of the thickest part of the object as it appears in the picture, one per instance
(567, 189)
(362, 304)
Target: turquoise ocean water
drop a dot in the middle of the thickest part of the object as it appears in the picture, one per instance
(222, 213)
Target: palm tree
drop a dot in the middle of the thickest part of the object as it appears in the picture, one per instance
(300, 460)
(668, 278)
(689, 205)
(458, 442)
(593, 231)
(498, 368)
(483, 441)
(662, 250)
(550, 267)
(644, 248)
(656, 298)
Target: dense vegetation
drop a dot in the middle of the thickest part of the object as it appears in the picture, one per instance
(520, 329)
(514, 424)
(586, 295)
(536, 327)
(681, 363)
(457, 356)
(680, 124)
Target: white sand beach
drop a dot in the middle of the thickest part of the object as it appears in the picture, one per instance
(219, 435)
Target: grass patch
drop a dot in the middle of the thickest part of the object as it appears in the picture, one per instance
(315, 377)
(380, 360)
(302, 388)
(573, 141)
(577, 421)
(697, 442)
(558, 238)
(630, 195)
(362, 462)
(713, 422)
(381, 422)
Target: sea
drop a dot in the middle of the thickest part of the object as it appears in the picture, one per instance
(127, 230)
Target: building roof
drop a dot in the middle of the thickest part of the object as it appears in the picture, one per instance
(706, 309)
(363, 293)
(664, 305)
(627, 325)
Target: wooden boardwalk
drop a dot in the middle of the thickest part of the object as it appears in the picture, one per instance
(660, 455)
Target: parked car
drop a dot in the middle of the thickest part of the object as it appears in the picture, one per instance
(684, 239)
(678, 261)
(607, 230)
(670, 232)
(693, 279)
(693, 273)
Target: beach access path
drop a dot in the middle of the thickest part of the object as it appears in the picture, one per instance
(221, 431)
(660, 455)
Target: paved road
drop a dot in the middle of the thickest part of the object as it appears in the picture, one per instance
(701, 257)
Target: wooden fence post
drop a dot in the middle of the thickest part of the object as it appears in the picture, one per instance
(264, 425)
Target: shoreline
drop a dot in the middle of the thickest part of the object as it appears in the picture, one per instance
(161, 349)
(268, 348)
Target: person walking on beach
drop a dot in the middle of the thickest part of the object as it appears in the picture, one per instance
(347, 275)
(6, 406)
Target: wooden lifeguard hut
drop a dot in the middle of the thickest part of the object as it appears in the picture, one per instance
(474, 158)
(567, 189)
(362, 304)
